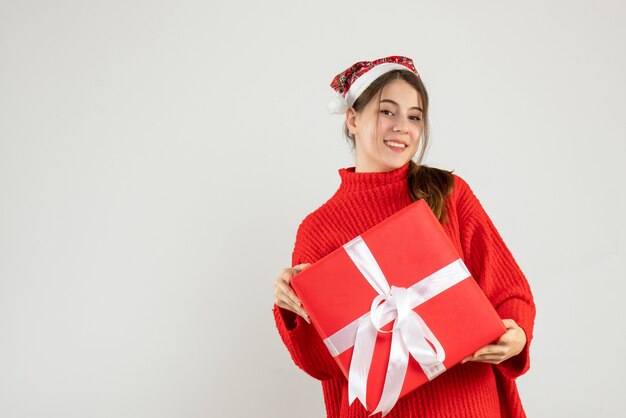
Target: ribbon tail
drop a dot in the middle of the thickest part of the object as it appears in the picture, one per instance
(396, 372)
(361, 361)
(431, 361)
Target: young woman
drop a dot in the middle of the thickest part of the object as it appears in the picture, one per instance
(386, 119)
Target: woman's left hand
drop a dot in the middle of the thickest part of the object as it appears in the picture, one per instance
(508, 345)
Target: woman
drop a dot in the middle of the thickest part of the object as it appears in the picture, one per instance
(386, 116)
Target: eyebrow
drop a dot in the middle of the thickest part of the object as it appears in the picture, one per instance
(392, 102)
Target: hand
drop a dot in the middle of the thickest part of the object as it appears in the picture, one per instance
(284, 296)
(510, 344)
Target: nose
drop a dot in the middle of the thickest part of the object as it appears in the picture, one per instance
(401, 127)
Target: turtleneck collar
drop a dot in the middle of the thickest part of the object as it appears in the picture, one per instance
(351, 181)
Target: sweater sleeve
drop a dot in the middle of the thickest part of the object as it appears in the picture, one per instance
(492, 265)
(304, 344)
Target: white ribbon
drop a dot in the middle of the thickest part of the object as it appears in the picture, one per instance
(410, 334)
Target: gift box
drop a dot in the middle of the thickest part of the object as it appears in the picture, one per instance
(396, 307)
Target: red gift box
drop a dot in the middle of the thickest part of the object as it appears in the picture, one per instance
(402, 294)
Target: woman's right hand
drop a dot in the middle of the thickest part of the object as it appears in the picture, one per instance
(284, 296)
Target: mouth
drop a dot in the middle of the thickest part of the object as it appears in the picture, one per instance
(395, 145)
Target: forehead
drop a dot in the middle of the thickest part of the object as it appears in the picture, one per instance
(401, 92)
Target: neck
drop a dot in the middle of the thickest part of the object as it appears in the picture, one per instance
(374, 168)
(353, 180)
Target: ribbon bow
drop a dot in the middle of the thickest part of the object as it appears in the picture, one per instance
(409, 334)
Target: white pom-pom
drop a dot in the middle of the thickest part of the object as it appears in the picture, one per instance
(337, 105)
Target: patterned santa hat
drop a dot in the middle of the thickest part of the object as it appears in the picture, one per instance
(350, 83)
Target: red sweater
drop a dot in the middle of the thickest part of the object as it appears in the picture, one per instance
(472, 389)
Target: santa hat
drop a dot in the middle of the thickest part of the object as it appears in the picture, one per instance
(350, 83)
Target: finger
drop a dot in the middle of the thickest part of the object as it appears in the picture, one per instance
(301, 267)
(509, 323)
(491, 359)
(487, 361)
(280, 302)
(286, 275)
(506, 338)
(486, 358)
(282, 288)
(490, 349)
(283, 293)
(483, 350)
(287, 303)
(287, 290)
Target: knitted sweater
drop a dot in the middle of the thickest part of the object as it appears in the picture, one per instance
(472, 389)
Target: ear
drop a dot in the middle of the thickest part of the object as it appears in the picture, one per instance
(351, 120)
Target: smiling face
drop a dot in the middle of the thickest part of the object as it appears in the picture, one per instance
(387, 133)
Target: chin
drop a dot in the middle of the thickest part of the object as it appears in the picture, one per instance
(398, 162)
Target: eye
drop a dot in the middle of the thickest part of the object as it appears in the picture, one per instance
(416, 118)
(385, 110)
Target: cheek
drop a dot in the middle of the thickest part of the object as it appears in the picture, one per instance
(383, 129)
(371, 131)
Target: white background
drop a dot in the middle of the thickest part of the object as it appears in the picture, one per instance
(157, 157)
